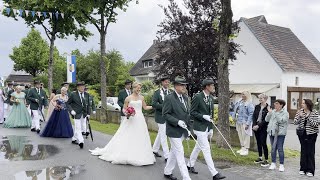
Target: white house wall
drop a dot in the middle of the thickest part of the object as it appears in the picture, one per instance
(255, 65)
(304, 80)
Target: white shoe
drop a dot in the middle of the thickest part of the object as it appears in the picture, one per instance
(240, 150)
(281, 168)
(309, 174)
(272, 166)
(301, 173)
(245, 152)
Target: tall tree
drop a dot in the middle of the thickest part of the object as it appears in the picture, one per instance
(189, 42)
(225, 31)
(55, 26)
(31, 54)
(101, 13)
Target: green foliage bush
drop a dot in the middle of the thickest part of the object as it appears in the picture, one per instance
(215, 117)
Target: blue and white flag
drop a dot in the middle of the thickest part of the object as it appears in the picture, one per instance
(71, 69)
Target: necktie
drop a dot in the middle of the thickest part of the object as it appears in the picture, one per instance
(182, 101)
(129, 92)
(165, 92)
(82, 100)
(38, 90)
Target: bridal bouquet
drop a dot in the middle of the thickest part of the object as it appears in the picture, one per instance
(130, 111)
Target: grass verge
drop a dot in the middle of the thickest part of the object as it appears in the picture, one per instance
(218, 154)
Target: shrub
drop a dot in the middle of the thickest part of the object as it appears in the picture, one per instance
(215, 117)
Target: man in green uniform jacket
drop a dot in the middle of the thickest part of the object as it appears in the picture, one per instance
(202, 114)
(176, 112)
(36, 99)
(123, 94)
(157, 104)
(79, 107)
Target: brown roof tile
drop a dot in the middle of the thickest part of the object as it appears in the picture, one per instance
(283, 45)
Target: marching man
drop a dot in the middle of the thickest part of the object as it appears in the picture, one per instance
(176, 112)
(123, 94)
(157, 103)
(202, 113)
(79, 106)
(36, 98)
(7, 93)
(84, 128)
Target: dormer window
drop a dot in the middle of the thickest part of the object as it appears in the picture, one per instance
(148, 63)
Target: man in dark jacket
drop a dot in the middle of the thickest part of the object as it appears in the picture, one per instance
(176, 112)
(202, 114)
(7, 94)
(123, 94)
(157, 103)
(36, 99)
(79, 107)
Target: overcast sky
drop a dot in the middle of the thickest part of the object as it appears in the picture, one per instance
(135, 29)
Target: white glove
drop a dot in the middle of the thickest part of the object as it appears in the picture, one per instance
(88, 116)
(73, 113)
(206, 117)
(93, 112)
(210, 134)
(182, 124)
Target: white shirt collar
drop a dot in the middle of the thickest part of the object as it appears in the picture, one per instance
(205, 94)
(179, 95)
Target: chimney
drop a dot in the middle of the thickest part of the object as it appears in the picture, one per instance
(155, 41)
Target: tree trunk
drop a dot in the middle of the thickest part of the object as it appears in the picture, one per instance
(223, 72)
(103, 71)
(50, 64)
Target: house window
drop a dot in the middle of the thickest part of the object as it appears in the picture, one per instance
(147, 64)
(297, 81)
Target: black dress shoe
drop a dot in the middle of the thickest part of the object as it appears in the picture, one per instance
(87, 133)
(83, 133)
(192, 170)
(33, 129)
(166, 159)
(218, 176)
(157, 154)
(81, 145)
(74, 142)
(38, 131)
(171, 177)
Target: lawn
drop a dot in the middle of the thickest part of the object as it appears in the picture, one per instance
(219, 154)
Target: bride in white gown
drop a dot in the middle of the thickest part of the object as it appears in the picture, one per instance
(131, 143)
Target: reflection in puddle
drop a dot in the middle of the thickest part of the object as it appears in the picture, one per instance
(17, 148)
(51, 173)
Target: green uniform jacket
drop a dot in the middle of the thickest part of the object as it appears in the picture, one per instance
(8, 95)
(157, 104)
(74, 103)
(200, 107)
(121, 97)
(33, 95)
(173, 111)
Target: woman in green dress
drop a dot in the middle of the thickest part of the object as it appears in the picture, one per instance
(19, 116)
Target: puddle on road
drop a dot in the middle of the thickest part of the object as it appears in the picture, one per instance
(18, 148)
(223, 167)
(51, 173)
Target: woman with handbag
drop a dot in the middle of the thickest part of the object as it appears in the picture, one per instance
(307, 120)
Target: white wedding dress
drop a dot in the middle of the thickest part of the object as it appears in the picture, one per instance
(131, 143)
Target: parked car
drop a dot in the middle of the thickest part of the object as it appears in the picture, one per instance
(112, 104)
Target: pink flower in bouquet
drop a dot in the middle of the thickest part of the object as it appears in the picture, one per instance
(130, 111)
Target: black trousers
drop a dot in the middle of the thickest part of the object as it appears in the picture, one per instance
(261, 137)
(307, 161)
